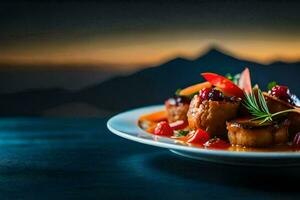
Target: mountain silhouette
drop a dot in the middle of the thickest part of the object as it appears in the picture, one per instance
(151, 85)
(154, 85)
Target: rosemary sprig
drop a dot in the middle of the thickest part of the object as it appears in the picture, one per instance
(259, 109)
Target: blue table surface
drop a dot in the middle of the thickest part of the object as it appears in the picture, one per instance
(81, 159)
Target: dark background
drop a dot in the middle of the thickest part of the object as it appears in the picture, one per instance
(95, 59)
(90, 58)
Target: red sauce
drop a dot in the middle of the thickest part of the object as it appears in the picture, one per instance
(219, 144)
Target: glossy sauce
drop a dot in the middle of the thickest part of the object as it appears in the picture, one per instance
(224, 145)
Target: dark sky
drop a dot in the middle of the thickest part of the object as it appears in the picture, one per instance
(114, 31)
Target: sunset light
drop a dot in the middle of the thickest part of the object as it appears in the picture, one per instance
(149, 49)
(129, 35)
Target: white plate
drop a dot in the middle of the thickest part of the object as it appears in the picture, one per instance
(126, 125)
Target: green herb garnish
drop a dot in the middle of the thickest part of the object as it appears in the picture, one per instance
(181, 133)
(259, 109)
(234, 78)
(271, 85)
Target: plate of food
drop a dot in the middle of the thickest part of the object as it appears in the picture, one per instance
(224, 119)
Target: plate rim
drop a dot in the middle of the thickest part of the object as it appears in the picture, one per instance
(170, 146)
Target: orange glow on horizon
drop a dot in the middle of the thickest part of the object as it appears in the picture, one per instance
(131, 52)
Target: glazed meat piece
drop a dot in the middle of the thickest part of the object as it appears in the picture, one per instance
(295, 123)
(211, 115)
(276, 105)
(246, 133)
(177, 108)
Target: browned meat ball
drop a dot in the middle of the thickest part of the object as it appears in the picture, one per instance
(276, 105)
(246, 133)
(176, 113)
(177, 108)
(211, 116)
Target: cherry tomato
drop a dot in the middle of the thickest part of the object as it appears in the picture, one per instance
(281, 92)
(180, 124)
(204, 93)
(224, 84)
(200, 137)
(163, 128)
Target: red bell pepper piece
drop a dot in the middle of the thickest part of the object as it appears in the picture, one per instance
(224, 84)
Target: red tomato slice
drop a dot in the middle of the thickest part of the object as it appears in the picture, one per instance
(224, 84)
(200, 137)
(245, 81)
